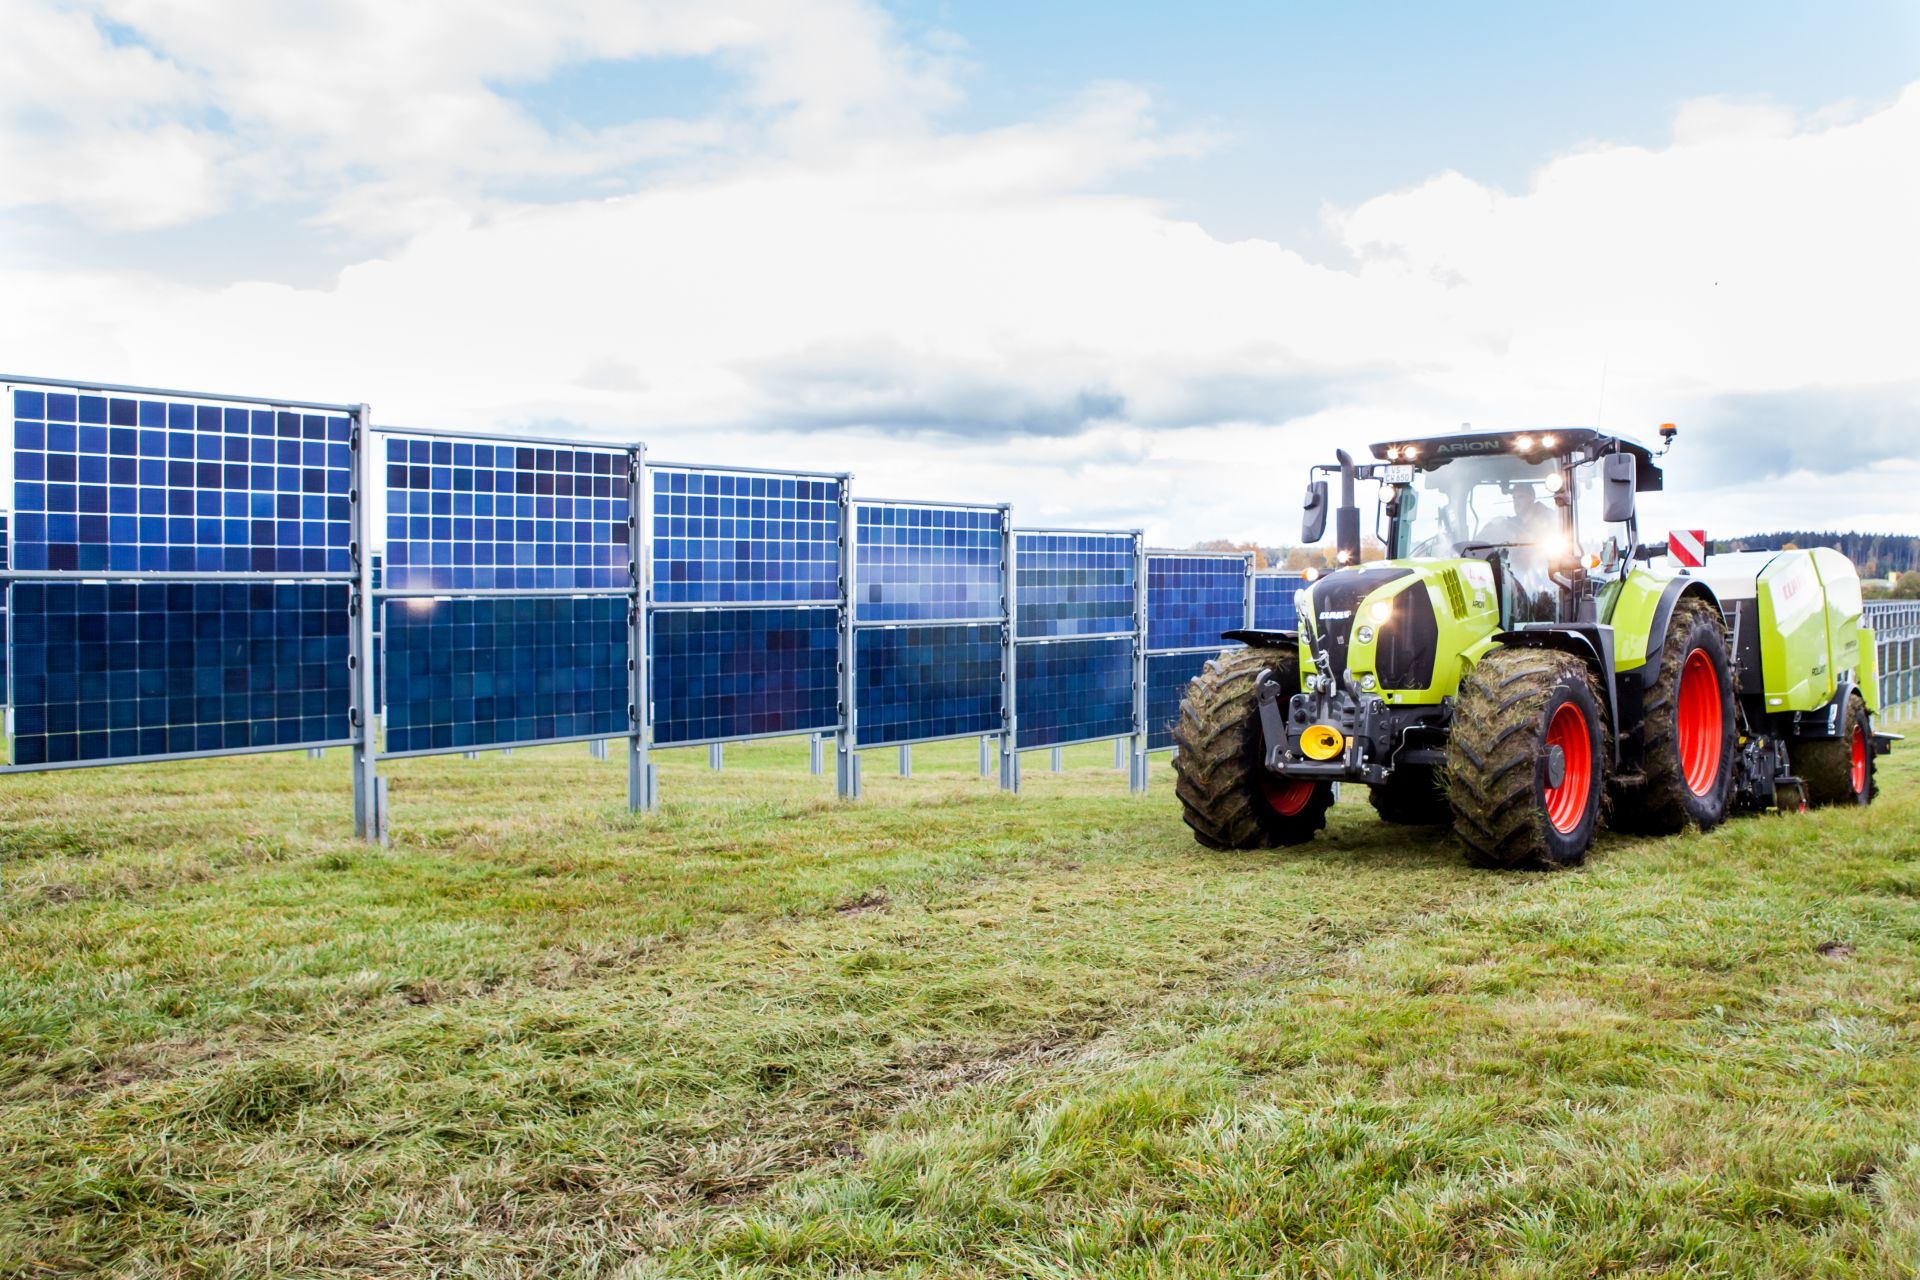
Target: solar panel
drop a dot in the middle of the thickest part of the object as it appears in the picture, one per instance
(738, 673)
(726, 537)
(922, 682)
(1073, 691)
(494, 671)
(112, 671)
(1167, 677)
(118, 483)
(1273, 607)
(927, 564)
(476, 515)
(5, 692)
(1192, 599)
(1069, 584)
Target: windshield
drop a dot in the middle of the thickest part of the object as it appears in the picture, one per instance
(1467, 506)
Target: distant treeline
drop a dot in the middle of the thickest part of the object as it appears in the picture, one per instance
(1875, 554)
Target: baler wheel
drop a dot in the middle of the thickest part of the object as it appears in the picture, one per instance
(1839, 770)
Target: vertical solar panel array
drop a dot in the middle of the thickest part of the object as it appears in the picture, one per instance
(134, 670)
(525, 548)
(744, 604)
(490, 671)
(1273, 606)
(1073, 691)
(154, 485)
(723, 537)
(482, 515)
(1072, 584)
(1167, 677)
(1191, 600)
(114, 493)
(930, 593)
(725, 674)
(928, 564)
(923, 683)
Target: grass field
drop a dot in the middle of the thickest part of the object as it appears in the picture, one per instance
(942, 1033)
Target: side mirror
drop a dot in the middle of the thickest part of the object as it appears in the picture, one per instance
(1313, 520)
(1620, 477)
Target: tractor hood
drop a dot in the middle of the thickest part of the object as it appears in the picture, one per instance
(1399, 627)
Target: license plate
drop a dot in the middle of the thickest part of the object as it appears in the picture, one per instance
(1402, 474)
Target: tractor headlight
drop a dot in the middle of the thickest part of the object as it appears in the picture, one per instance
(1364, 635)
(1380, 610)
(1368, 683)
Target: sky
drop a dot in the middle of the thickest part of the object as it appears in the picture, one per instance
(1124, 265)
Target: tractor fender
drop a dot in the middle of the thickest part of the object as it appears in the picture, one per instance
(1263, 639)
(1825, 723)
(1676, 591)
(1592, 643)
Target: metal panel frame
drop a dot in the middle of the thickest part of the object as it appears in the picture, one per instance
(1136, 738)
(840, 603)
(849, 772)
(370, 819)
(355, 413)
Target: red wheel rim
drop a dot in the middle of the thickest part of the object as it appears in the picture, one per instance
(1859, 750)
(1567, 803)
(1701, 723)
(1286, 796)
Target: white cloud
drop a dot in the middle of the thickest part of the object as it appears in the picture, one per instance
(841, 282)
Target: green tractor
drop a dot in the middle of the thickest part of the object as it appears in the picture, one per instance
(1520, 669)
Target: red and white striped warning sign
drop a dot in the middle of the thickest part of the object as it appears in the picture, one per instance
(1687, 546)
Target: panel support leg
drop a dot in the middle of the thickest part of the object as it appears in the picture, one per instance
(716, 757)
(906, 762)
(1119, 753)
(1055, 762)
(815, 755)
(1009, 765)
(846, 772)
(986, 756)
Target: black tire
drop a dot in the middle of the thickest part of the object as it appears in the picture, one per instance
(1507, 810)
(1223, 785)
(1827, 765)
(1412, 797)
(1668, 801)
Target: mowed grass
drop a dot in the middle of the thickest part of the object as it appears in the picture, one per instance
(940, 1033)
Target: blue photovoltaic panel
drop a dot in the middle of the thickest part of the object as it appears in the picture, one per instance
(483, 671)
(914, 683)
(468, 514)
(1167, 677)
(1273, 608)
(117, 483)
(4, 692)
(725, 537)
(737, 673)
(1073, 584)
(1192, 599)
(925, 564)
(107, 671)
(1073, 690)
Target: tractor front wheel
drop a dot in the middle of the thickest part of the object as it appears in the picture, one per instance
(1687, 731)
(1526, 763)
(1228, 796)
(1839, 770)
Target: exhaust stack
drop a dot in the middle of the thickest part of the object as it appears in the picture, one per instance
(1346, 520)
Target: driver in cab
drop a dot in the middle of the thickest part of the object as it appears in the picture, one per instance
(1531, 524)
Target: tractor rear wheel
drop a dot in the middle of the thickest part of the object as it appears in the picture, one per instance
(1226, 793)
(1412, 798)
(1838, 770)
(1526, 763)
(1687, 731)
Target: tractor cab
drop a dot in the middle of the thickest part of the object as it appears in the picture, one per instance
(1550, 512)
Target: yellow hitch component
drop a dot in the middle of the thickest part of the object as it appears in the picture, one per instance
(1323, 742)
